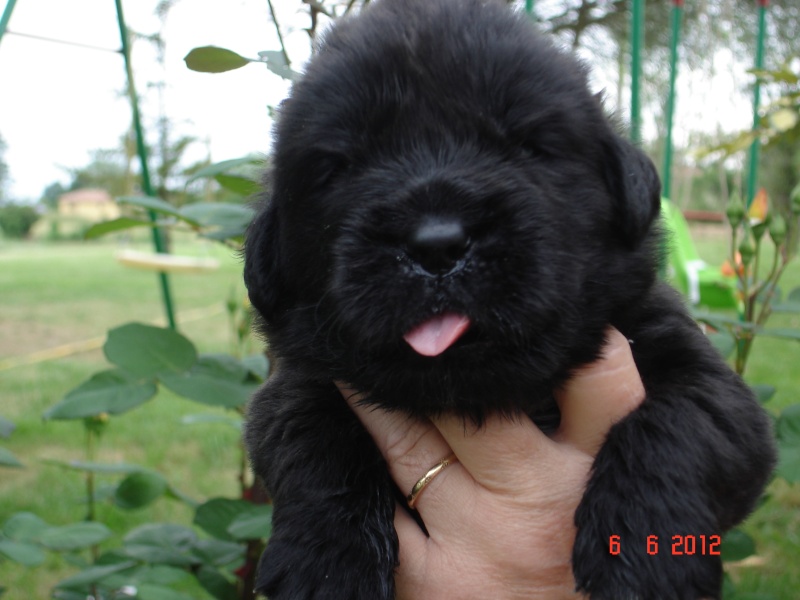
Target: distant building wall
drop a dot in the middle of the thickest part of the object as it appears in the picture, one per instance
(89, 204)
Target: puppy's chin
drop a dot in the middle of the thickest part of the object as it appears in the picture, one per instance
(477, 374)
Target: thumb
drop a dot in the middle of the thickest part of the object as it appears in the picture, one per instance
(599, 395)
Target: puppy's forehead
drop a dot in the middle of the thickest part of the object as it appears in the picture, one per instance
(445, 60)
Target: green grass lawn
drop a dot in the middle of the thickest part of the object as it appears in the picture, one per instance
(54, 294)
(61, 293)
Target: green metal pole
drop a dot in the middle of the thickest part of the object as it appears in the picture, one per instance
(637, 34)
(6, 17)
(529, 7)
(755, 147)
(677, 11)
(141, 149)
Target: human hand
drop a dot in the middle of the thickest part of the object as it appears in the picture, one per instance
(500, 520)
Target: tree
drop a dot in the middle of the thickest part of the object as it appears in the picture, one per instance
(106, 170)
(51, 194)
(16, 219)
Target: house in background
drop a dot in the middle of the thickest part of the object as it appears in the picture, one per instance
(75, 212)
(89, 205)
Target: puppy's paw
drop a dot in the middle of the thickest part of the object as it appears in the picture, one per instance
(636, 541)
(332, 569)
(655, 568)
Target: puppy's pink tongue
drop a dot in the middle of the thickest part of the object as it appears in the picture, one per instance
(436, 335)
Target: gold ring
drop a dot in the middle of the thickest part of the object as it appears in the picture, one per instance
(428, 477)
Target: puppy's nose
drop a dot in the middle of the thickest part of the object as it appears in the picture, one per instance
(437, 245)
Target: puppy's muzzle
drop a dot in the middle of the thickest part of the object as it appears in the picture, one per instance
(438, 245)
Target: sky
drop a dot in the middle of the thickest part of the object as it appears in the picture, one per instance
(60, 102)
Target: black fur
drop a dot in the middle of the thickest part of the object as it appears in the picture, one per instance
(457, 110)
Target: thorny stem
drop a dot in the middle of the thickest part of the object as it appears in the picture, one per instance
(766, 309)
(745, 338)
(90, 498)
(280, 35)
(769, 279)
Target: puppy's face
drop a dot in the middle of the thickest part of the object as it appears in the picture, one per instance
(451, 216)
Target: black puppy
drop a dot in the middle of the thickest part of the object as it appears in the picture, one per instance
(451, 227)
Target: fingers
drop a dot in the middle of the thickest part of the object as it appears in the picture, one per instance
(599, 395)
(498, 453)
(411, 447)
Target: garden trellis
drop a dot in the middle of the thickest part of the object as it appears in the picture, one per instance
(141, 148)
(637, 36)
(703, 284)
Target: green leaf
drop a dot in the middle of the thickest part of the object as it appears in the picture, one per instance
(214, 380)
(109, 392)
(215, 515)
(777, 294)
(257, 364)
(212, 59)
(218, 553)
(723, 341)
(792, 303)
(93, 574)
(146, 351)
(24, 527)
(739, 142)
(222, 366)
(737, 545)
(7, 459)
(254, 523)
(786, 307)
(788, 426)
(232, 166)
(93, 467)
(728, 587)
(232, 219)
(784, 75)
(6, 427)
(23, 553)
(139, 489)
(149, 591)
(161, 543)
(216, 584)
(276, 62)
(120, 224)
(161, 575)
(719, 321)
(209, 390)
(150, 203)
(764, 392)
(782, 333)
(237, 184)
(788, 463)
(176, 494)
(236, 423)
(74, 536)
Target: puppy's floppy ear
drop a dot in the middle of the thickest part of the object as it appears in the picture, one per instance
(262, 261)
(633, 182)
